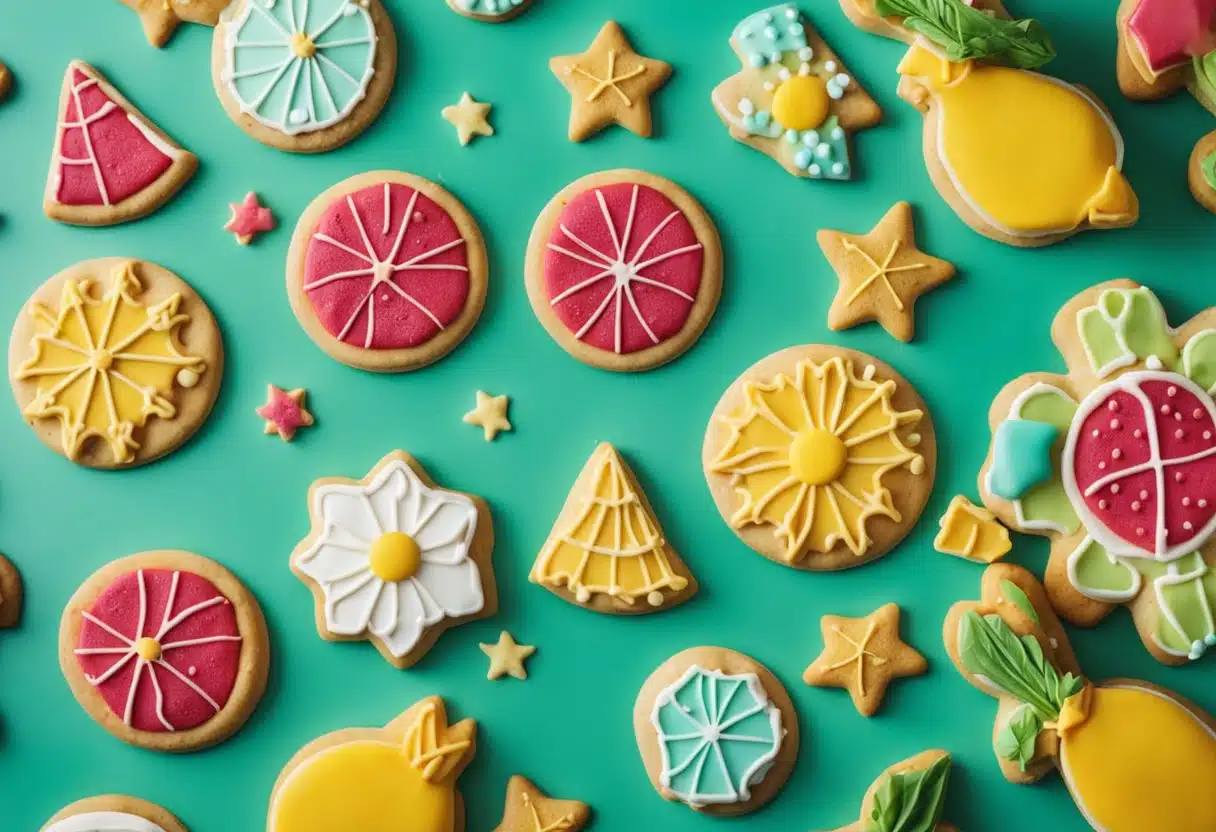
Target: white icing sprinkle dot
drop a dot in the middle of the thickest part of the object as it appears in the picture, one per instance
(1138, 433)
(770, 33)
(1102, 504)
(830, 66)
(1116, 454)
(769, 86)
(746, 106)
(824, 150)
(1165, 409)
(192, 670)
(1178, 476)
(1177, 415)
(1140, 531)
(1135, 505)
(1180, 433)
(790, 14)
(1113, 406)
(804, 70)
(838, 168)
(1115, 424)
(1187, 525)
(795, 29)
(1114, 489)
(1203, 503)
(1197, 414)
(806, 53)
(1186, 501)
(1102, 465)
(814, 170)
(1143, 495)
(1171, 391)
(783, 74)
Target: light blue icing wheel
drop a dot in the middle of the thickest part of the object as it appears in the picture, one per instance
(491, 11)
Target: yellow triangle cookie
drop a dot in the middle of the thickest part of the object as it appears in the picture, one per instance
(971, 532)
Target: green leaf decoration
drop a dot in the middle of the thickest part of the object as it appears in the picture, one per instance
(1046, 506)
(1124, 327)
(1207, 167)
(1204, 86)
(1015, 596)
(1017, 739)
(964, 32)
(1184, 595)
(1199, 354)
(1097, 575)
(911, 801)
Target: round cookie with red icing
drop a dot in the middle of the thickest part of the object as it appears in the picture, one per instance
(624, 270)
(166, 650)
(387, 271)
(113, 813)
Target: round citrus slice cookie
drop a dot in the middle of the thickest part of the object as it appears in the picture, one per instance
(113, 813)
(717, 731)
(820, 457)
(116, 362)
(624, 270)
(490, 11)
(166, 650)
(305, 76)
(387, 272)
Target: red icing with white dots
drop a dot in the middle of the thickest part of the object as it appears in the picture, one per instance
(1144, 463)
(195, 629)
(386, 268)
(622, 267)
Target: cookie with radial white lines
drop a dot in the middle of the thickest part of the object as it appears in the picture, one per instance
(113, 813)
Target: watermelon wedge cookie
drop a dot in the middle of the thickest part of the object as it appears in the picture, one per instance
(624, 270)
(1115, 462)
(387, 271)
(113, 813)
(110, 163)
(166, 650)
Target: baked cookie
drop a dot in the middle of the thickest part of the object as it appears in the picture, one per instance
(1135, 756)
(909, 797)
(507, 658)
(967, 70)
(490, 11)
(116, 362)
(248, 218)
(971, 532)
(528, 809)
(395, 560)
(624, 270)
(11, 594)
(113, 813)
(607, 552)
(304, 77)
(166, 650)
(284, 412)
(470, 117)
(387, 272)
(717, 731)
(490, 415)
(1115, 462)
(793, 100)
(820, 457)
(161, 17)
(110, 163)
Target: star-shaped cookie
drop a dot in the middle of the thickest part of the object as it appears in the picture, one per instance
(470, 117)
(248, 218)
(609, 83)
(881, 274)
(161, 17)
(507, 657)
(529, 810)
(863, 655)
(490, 414)
(284, 412)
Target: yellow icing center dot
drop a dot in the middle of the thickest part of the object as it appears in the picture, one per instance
(148, 649)
(302, 45)
(817, 457)
(102, 360)
(801, 103)
(394, 557)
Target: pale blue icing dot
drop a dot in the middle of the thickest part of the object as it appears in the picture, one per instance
(824, 158)
(1021, 457)
(791, 136)
(767, 35)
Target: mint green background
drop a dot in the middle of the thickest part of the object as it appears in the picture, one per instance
(238, 496)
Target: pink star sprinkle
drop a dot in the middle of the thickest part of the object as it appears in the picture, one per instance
(284, 412)
(249, 217)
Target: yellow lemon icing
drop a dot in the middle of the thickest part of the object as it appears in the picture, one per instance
(801, 102)
(1030, 154)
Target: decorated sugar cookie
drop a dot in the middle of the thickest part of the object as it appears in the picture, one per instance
(717, 731)
(304, 76)
(110, 163)
(528, 809)
(160, 18)
(284, 412)
(395, 560)
(1115, 462)
(1134, 756)
(968, 71)
(387, 271)
(794, 100)
(820, 457)
(113, 813)
(248, 218)
(115, 362)
(166, 650)
(910, 796)
(624, 270)
(607, 552)
(391, 779)
(1201, 171)
(490, 11)
(11, 594)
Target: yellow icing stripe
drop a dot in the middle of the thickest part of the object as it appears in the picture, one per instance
(971, 532)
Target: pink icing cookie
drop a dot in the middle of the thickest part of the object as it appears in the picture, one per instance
(387, 271)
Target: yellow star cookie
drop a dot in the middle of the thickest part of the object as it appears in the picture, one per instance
(971, 532)
(529, 810)
(863, 655)
(490, 414)
(881, 274)
(470, 118)
(609, 83)
(507, 657)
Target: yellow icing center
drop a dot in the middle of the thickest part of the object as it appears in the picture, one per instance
(394, 557)
(817, 457)
(1141, 761)
(302, 45)
(801, 102)
(148, 649)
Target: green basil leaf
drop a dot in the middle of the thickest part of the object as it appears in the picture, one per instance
(911, 801)
(1018, 666)
(1015, 596)
(1017, 739)
(964, 32)
(886, 806)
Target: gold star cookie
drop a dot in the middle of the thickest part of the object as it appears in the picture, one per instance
(528, 810)
(609, 83)
(863, 655)
(470, 117)
(507, 657)
(881, 274)
(490, 414)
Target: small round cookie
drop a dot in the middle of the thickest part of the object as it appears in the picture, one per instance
(304, 77)
(1201, 172)
(490, 11)
(820, 457)
(387, 271)
(166, 650)
(11, 594)
(717, 731)
(624, 270)
(115, 362)
(113, 813)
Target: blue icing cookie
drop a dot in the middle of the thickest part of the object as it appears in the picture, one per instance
(765, 36)
(824, 153)
(1021, 457)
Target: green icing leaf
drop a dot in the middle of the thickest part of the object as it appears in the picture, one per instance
(1126, 326)
(1016, 740)
(1050, 405)
(1046, 506)
(1101, 342)
(1207, 166)
(989, 648)
(1185, 626)
(964, 32)
(1015, 596)
(1205, 79)
(1097, 575)
(1199, 355)
(911, 801)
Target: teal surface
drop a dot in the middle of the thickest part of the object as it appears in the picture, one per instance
(238, 496)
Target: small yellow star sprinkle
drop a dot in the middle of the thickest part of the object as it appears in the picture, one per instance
(469, 117)
(507, 657)
(490, 414)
